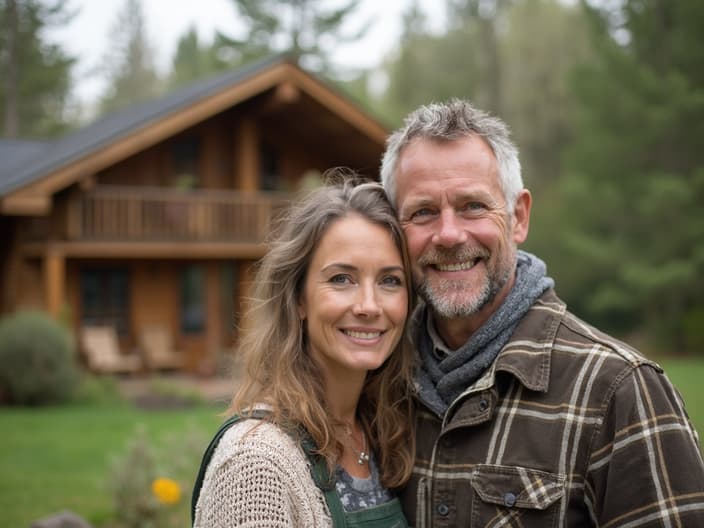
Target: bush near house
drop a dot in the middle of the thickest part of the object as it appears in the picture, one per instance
(37, 360)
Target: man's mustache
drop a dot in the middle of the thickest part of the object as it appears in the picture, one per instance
(452, 255)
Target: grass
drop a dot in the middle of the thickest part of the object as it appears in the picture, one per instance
(687, 376)
(53, 459)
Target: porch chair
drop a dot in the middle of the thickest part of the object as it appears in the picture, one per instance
(102, 351)
(158, 350)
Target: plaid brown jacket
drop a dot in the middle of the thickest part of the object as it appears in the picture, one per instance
(569, 428)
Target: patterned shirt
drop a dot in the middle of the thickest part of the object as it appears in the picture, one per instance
(361, 493)
(568, 428)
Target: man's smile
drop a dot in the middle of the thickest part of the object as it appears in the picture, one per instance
(457, 266)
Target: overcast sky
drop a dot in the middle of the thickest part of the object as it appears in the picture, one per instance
(87, 36)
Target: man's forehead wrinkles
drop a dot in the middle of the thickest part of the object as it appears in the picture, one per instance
(452, 196)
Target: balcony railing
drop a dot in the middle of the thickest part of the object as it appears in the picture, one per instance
(162, 214)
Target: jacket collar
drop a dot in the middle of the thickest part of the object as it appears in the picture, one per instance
(527, 355)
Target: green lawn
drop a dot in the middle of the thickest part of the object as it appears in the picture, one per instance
(53, 459)
(688, 377)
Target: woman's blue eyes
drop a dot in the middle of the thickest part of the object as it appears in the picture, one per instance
(340, 279)
(390, 280)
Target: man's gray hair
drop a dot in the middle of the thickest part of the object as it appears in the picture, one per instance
(449, 121)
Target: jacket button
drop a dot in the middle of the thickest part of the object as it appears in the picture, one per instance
(443, 509)
(483, 404)
(509, 499)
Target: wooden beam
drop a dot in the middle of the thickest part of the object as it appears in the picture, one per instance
(88, 183)
(287, 93)
(340, 106)
(54, 279)
(247, 155)
(161, 250)
(213, 317)
(26, 204)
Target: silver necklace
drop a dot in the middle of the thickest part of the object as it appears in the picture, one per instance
(362, 456)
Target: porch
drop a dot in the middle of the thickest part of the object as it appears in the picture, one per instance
(154, 240)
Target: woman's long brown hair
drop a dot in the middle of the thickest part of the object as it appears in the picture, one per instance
(278, 370)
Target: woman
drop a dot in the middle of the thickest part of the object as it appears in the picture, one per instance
(326, 419)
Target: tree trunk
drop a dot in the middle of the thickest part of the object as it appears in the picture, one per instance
(492, 63)
(11, 102)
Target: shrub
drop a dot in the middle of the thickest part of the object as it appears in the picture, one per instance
(150, 484)
(130, 481)
(167, 394)
(37, 364)
(97, 390)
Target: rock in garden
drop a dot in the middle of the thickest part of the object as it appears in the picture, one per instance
(64, 519)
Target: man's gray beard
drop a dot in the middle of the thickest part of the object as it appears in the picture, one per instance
(442, 299)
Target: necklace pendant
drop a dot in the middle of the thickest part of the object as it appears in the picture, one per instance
(363, 458)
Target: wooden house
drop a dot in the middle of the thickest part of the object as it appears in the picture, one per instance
(154, 215)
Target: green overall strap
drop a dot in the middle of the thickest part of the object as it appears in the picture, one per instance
(257, 414)
(325, 481)
(387, 515)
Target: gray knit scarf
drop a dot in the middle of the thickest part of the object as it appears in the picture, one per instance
(441, 381)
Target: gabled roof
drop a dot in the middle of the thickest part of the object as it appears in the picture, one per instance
(39, 170)
(15, 152)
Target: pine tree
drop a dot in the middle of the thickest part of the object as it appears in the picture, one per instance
(35, 74)
(129, 62)
(194, 60)
(637, 170)
(429, 67)
(484, 17)
(306, 29)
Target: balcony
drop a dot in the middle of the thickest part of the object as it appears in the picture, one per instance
(141, 214)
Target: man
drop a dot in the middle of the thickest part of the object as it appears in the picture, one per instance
(527, 416)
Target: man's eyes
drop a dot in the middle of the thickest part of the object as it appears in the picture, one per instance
(426, 213)
(422, 213)
(474, 207)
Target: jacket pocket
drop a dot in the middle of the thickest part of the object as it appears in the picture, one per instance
(511, 496)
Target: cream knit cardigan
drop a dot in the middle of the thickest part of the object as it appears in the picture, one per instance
(259, 477)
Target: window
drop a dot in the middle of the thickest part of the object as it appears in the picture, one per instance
(192, 300)
(105, 298)
(186, 153)
(269, 168)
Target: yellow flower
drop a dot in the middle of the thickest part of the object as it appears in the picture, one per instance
(166, 490)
